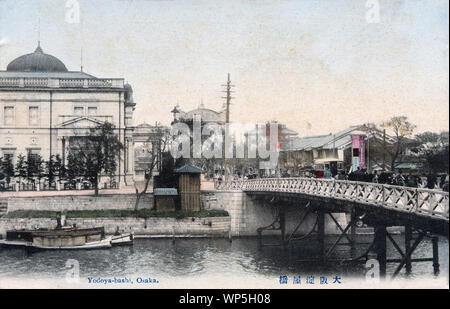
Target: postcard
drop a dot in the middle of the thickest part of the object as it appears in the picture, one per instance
(198, 145)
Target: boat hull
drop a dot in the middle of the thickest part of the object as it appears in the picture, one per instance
(104, 243)
(122, 240)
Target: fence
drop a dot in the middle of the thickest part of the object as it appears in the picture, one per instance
(427, 202)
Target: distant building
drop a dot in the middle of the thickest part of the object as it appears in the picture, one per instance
(147, 141)
(284, 138)
(44, 108)
(330, 151)
(207, 115)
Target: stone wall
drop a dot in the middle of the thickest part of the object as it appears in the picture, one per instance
(248, 214)
(79, 202)
(150, 227)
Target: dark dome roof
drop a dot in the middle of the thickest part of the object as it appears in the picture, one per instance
(36, 62)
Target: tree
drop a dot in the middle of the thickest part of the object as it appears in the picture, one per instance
(436, 159)
(427, 137)
(398, 133)
(75, 168)
(35, 168)
(7, 168)
(59, 168)
(402, 129)
(99, 152)
(159, 142)
(21, 168)
(52, 169)
(433, 150)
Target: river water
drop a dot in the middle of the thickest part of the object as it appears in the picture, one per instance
(210, 263)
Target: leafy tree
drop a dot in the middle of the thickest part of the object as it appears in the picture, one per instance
(436, 159)
(6, 169)
(51, 169)
(398, 135)
(427, 137)
(75, 168)
(98, 152)
(2, 172)
(59, 168)
(401, 129)
(433, 151)
(21, 167)
(35, 168)
(159, 142)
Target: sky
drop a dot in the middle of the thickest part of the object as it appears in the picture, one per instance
(317, 66)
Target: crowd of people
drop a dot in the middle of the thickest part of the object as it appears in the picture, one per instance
(398, 178)
(430, 180)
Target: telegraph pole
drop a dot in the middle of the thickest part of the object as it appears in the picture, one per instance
(228, 98)
(384, 149)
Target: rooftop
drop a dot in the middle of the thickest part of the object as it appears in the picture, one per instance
(36, 62)
(189, 169)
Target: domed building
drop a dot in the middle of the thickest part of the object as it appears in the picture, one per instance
(44, 108)
(36, 62)
(205, 114)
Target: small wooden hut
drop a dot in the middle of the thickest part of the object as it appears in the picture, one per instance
(189, 187)
(165, 199)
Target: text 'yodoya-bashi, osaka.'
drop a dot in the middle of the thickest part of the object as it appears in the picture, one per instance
(122, 280)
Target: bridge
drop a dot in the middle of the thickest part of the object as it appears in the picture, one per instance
(422, 213)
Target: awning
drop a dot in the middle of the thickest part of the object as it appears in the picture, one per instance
(409, 166)
(325, 160)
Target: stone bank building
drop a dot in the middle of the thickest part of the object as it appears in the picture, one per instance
(44, 108)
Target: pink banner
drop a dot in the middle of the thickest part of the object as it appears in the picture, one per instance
(359, 142)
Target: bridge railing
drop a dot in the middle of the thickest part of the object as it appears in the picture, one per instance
(414, 200)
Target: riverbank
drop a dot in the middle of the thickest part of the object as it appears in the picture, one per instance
(144, 223)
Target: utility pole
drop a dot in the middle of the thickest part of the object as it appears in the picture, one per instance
(227, 115)
(384, 150)
(228, 98)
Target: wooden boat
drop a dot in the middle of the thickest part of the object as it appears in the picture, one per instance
(67, 237)
(122, 239)
(104, 243)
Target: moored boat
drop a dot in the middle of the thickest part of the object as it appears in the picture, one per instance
(122, 239)
(104, 243)
(68, 237)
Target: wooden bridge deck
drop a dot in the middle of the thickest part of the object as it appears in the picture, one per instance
(424, 208)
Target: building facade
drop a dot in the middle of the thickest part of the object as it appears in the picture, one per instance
(44, 108)
(332, 151)
(149, 143)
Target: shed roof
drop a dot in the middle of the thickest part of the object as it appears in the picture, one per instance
(165, 191)
(189, 169)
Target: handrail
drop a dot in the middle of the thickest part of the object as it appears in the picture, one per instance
(53, 82)
(425, 202)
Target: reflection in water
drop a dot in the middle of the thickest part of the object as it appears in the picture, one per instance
(194, 257)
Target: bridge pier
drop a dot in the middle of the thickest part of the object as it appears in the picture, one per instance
(321, 232)
(283, 225)
(408, 238)
(435, 242)
(380, 247)
(353, 219)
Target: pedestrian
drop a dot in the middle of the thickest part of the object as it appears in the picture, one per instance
(375, 177)
(341, 175)
(327, 174)
(411, 181)
(400, 180)
(431, 181)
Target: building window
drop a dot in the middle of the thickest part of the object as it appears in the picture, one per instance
(78, 110)
(9, 115)
(33, 114)
(8, 155)
(92, 111)
(33, 155)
